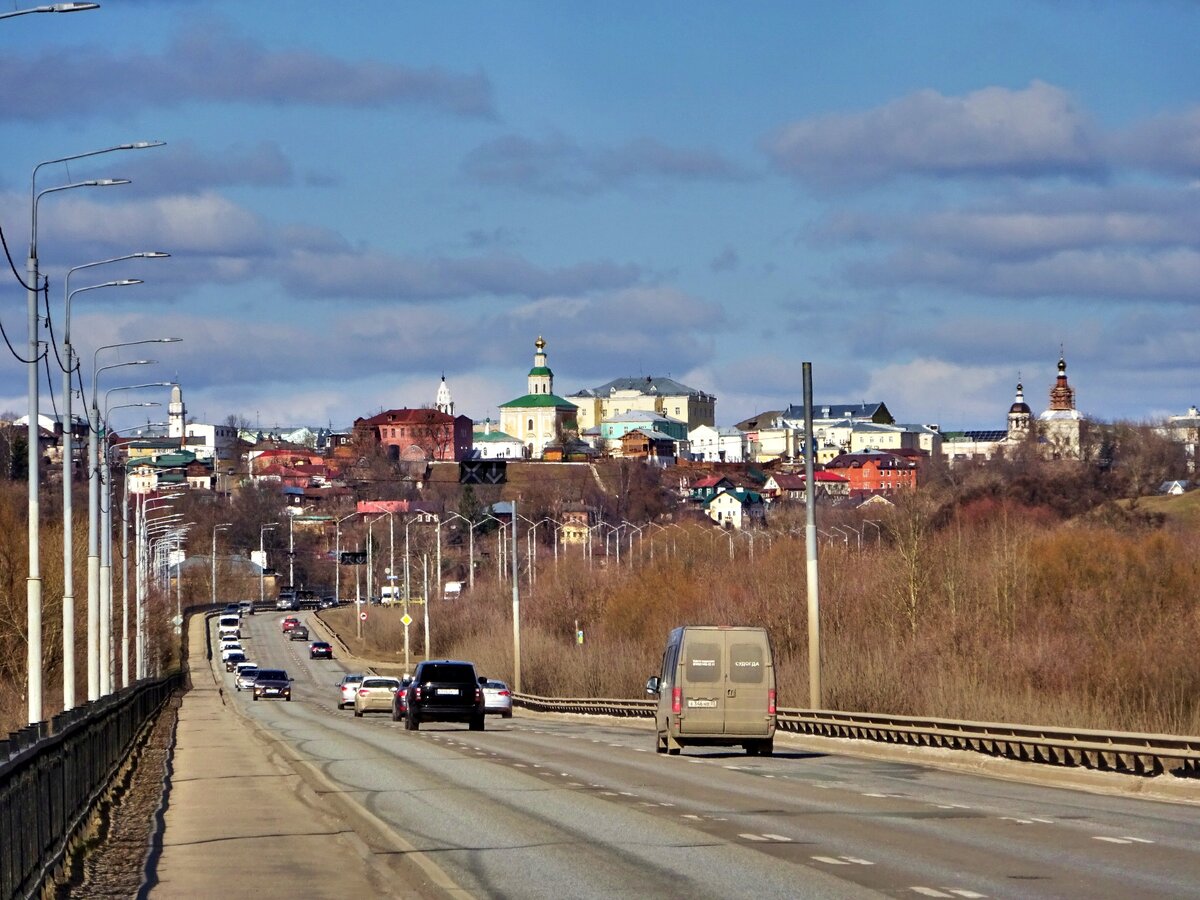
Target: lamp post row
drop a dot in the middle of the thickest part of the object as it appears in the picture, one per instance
(33, 286)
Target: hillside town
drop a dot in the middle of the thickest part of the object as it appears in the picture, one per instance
(733, 474)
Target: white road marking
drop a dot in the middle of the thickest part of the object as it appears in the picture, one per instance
(1044, 821)
(930, 892)
(1018, 821)
(1123, 840)
(752, 837)
(829, 860)
(962, 892)
(643, 749)
(858, 861)
(688, 816)
(778, 837)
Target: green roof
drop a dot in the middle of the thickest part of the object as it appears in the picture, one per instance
(541, 370)
(538, 400)
(494, 436)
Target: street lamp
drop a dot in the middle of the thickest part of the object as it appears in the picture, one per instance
(51, 8)
(101, 514)
(33, 588)
(216, 528)
(262, 557)
(141, 566)
(68, 458)
(337, 565)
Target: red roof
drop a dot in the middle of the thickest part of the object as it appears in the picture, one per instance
(405, 416)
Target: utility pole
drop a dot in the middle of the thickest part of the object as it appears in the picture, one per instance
(810, 539)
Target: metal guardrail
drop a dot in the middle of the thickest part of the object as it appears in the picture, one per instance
(53, 773)
(1110, 751)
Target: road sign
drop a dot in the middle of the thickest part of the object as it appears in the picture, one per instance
(406, 619)
(363, 615)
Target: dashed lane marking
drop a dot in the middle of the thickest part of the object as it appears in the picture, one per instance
(948, 892)
(844, 860)
(777, 838)
(1123, 840)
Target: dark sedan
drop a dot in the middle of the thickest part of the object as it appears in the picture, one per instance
(320, 650)
(272, 683)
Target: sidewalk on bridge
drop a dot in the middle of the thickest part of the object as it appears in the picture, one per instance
(239, 820)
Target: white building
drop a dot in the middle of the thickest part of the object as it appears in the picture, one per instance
(709, 444)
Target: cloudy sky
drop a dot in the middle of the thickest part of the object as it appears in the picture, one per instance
(925, 200)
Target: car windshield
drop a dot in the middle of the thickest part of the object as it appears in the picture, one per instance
(497, 685)
(272, 675)
(352, 679)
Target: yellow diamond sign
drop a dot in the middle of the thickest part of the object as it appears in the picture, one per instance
(406, 619)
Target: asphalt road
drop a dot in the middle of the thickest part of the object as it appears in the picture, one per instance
(540, 806)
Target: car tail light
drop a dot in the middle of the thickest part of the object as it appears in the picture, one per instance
(362, 692)
(676, 700)
(478, 694)
(503, 693)
(771, 702)
(417, 694)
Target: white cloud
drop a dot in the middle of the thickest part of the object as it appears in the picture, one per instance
(989, 132)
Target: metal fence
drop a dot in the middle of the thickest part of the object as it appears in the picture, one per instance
(53, 773)
(1112, 751)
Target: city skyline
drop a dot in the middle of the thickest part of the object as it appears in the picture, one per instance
(925, 201)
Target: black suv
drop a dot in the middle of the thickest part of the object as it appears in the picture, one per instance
(445, 690)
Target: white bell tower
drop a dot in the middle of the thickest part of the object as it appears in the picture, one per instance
(176, 414)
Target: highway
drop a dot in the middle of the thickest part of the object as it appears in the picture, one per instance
(548, 806)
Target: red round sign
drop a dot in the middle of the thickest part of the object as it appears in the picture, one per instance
(363, 616)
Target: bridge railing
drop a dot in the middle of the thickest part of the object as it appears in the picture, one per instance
(53, 773)
(1113, 751)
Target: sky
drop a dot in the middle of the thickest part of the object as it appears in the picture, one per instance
(928, 201)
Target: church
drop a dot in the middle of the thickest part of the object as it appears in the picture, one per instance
(539, 418)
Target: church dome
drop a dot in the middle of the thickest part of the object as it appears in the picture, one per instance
(1019, 404)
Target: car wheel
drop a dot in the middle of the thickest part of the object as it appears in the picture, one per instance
(411, 723)
(507, 715)
(358, 713)
(256, 698)
(477, 723)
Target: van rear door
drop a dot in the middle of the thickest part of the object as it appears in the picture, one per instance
(747, 684)
(702, 710)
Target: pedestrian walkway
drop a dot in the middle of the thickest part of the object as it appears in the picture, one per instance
(239, 821)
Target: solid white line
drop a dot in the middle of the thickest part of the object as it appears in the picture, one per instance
(857, 861)
(778, 837)
(970, 895)
(1112, 840)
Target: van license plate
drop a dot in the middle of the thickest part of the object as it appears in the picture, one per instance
(701, 704)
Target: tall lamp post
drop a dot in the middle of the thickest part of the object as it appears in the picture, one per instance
(262, 556)
(216, 528)
(103, 515)
(49, 8)
(93, 468)
(69, 469)
(33, 585)
(337, 567)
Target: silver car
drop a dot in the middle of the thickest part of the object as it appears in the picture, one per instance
(497, 698)
(347, 688)
(244, 680)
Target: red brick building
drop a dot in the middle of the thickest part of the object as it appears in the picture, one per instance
(419, 434)
(875, 471)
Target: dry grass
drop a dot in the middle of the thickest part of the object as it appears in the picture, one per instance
(990, 610)
(1017, 618)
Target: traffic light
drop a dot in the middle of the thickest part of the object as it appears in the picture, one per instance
(353, 558)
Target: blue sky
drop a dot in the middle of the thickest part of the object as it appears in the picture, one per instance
(924, 200)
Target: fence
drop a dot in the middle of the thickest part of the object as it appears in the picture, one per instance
(53, 773)
(1115, 751)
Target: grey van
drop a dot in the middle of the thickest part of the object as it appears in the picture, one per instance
(716, 688)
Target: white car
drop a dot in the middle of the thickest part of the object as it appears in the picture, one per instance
(233, 647)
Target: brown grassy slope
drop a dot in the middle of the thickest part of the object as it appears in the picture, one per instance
(1012, 619)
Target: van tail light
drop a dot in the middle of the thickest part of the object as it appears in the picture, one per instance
(676, 700)
(771, 702)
